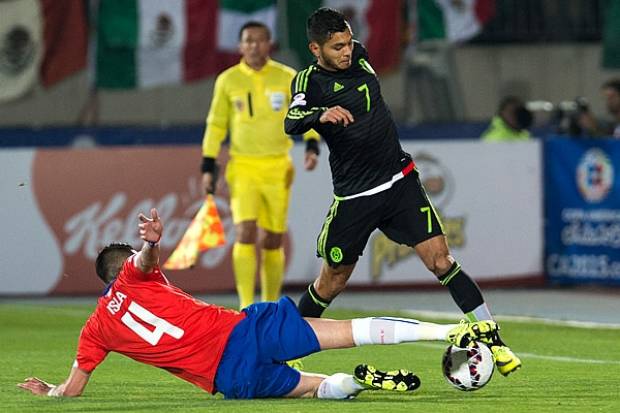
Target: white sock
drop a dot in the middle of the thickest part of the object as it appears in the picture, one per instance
(390, 330)
(480, 313)
(338, 386)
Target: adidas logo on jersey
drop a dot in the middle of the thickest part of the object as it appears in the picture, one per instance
(338, 87)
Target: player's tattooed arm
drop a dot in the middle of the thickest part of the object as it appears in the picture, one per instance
(72, 387)
(150, 231)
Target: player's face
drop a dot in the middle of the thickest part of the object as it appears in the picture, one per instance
(336, 53)
(255, 46)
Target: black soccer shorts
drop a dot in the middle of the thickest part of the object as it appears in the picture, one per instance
(404, 213)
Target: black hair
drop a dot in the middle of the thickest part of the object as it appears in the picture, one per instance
(323, 23)
(509, 101)
(253, 23)
(612, 84)
(110, 260)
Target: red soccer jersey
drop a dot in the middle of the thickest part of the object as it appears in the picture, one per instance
(144, 317)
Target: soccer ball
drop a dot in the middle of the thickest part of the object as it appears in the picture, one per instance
(468, 368)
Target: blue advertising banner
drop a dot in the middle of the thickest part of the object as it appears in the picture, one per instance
(582, 211)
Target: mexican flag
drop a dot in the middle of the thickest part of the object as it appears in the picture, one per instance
(233, 14)
(453, 20)
(375, 23)
(147, 43)
(41, 41)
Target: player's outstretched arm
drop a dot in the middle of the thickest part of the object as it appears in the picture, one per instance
(150, 231)
(72, 387)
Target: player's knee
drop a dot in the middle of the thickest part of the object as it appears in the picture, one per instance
(271, 240)
(440, 264)
(245, 232)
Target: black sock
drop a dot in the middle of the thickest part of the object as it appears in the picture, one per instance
(463, 289)
(311, 304)
(465, 292)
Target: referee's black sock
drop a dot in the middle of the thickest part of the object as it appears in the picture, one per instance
(463, 289)
(311, 304)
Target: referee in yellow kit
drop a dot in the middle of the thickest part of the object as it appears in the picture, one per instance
(250, 102)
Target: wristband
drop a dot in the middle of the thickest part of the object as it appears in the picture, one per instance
(153, 244)
(312, 145)
(208, 165)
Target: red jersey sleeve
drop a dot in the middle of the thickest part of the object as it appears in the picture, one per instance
(131, 271)
(90, 352)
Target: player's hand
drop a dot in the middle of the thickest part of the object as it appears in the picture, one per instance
(208, 186)
(337, 115)
(311, 159)
(150, 228)
(36, 386)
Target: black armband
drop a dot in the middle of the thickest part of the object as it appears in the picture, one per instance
(208, 165)
(312, 145)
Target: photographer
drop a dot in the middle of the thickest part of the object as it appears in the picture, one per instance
(597, 128)
(511, 122)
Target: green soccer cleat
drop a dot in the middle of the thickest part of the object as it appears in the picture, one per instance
(297, 364)
(464, 333)
(506, 361)
(395, 380)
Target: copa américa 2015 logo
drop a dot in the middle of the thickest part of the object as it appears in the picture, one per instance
(595, 175)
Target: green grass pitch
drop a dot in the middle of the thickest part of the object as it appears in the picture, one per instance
(565, 369)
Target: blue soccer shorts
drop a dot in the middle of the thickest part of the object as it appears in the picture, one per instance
(253, 364)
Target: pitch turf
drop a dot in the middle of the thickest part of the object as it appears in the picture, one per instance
(565, 369)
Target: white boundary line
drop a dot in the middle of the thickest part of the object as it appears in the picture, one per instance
(521, 319)
(564, 359)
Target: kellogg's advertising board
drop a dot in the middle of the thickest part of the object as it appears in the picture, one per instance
(582, 210)
(61, 206)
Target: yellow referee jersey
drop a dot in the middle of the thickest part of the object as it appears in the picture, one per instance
(251, 105)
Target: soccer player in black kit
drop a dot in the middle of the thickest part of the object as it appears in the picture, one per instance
(376, 184)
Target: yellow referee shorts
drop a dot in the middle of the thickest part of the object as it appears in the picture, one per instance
(260, 190)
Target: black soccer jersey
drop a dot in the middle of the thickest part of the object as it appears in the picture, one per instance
(366, 153)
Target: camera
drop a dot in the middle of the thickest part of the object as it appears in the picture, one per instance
(563, 117)
(566, 116)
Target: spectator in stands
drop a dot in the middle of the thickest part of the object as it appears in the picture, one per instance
(599, 128)
(250, 103)
(511, 122)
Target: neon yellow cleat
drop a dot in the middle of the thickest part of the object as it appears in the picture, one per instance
(506, 361)
(297, 364)
(395, 380)
(465, 332)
